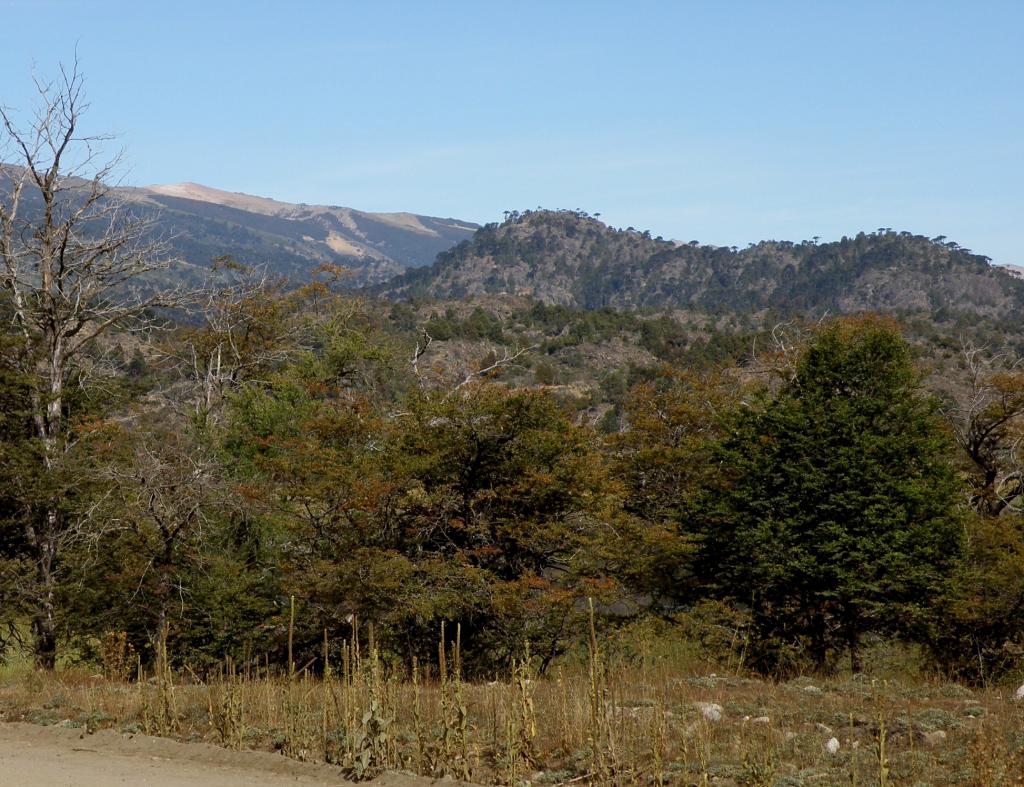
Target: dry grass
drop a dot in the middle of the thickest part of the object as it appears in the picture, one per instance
(658, 717)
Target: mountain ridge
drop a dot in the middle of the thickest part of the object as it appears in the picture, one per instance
(205, 222)
(571, 258)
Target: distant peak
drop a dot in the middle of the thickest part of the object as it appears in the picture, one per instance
(231, 199)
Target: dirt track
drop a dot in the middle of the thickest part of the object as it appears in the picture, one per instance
(33, 756)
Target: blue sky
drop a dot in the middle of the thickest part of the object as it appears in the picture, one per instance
(725, 122)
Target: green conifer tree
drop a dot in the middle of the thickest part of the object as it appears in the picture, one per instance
(837, 516)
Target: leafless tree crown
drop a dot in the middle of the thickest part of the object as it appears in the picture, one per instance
(74, 254)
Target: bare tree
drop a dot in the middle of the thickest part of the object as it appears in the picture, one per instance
(773, 362)
(73, 265)
(244, 324)
(988, 420)
(489, 366)
(508, 358)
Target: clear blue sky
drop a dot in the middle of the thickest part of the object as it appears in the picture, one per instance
(725, 122)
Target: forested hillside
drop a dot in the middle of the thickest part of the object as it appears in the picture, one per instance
(255, 480)
(297, 443)
(570, 258)
(182, 464)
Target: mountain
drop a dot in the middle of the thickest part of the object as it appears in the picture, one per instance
(202, 223)
(572, 259)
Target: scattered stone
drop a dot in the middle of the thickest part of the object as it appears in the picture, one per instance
(1019, 694)
(812, 689)
(761, 720)
(824, 729)
(789, 735)
(935, 738)
(832, 747)
(710, 710)
(639, 713)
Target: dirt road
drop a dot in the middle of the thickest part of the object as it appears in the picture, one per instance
(33, 756)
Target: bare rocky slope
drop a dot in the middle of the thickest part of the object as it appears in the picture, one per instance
(202, 223)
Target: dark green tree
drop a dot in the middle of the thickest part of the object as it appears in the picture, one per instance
(837, 515)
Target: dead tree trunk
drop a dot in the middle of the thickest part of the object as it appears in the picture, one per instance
(70, 251)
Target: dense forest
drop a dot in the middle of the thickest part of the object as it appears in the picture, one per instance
(295, 443)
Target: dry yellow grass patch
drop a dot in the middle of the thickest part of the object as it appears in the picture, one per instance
(649, 719)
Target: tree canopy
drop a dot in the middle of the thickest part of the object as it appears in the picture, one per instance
(837, 513)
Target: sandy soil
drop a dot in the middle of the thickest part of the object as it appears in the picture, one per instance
(33, 756)
(343, 246)
(272, 207)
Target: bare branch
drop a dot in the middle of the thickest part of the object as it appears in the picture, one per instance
(420, 351)
(507, 359)
(987, 419)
